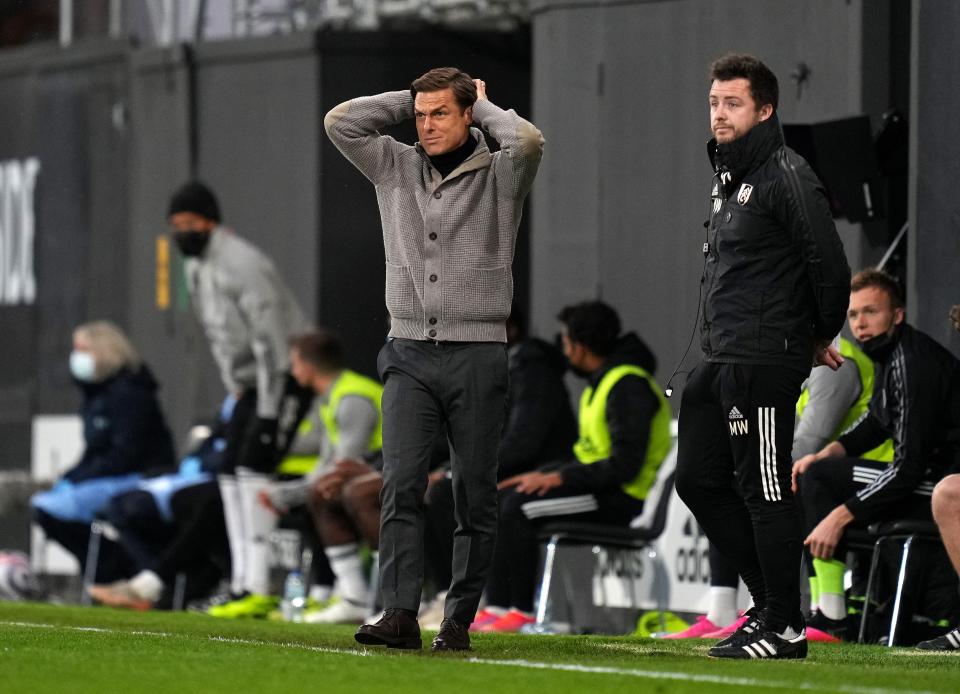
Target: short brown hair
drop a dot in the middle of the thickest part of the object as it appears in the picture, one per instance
(764, 87)
(321, 349)
(872, 277)
(440, 78)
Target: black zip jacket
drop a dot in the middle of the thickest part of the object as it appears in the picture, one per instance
(775, 276)
(631, 407)
(916, 402)
(123, 428)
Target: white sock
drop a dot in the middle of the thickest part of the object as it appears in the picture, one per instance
(833, 606)
(347, 567)
(233, 518)
(147, 585)
(723, 605)
(258, 523)
(789, 634)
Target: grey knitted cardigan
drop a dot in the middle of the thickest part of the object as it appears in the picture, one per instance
(449, 242)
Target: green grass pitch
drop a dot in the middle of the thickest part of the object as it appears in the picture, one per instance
(47, 648)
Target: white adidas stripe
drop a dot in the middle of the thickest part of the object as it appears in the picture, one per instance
(766, 418)
(954, 638)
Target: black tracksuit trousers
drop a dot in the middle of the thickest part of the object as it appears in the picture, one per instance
(733, 472)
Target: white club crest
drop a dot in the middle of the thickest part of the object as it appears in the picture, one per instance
(744, 193)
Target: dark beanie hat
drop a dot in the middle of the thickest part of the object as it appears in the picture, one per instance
(197, 198)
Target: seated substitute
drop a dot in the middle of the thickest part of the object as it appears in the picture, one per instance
(624, 424)
(125, 435)
(341, 484)
(914, 404)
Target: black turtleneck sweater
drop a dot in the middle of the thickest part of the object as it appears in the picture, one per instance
(445, 163)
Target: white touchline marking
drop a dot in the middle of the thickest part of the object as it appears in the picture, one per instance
(530, 664)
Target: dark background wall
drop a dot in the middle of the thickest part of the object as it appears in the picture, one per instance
(60, 109)
(620, 91)
(934, 276)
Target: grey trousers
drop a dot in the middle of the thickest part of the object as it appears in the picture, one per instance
(429, 386)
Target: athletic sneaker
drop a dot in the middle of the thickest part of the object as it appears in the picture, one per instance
(822, 628)
(948, 642)
(252, 606)
(760, 642)
(698, 630)
(203, 605)
(511, 622)
(747, 623)
(119, 594)
(340, 612)
(486, 616)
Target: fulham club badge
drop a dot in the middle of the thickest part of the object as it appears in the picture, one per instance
(744, 193)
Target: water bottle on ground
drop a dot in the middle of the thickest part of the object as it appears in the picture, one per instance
(294, 597)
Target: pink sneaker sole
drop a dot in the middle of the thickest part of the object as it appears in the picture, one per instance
(697, 630)
(814, 634)
(725, 631)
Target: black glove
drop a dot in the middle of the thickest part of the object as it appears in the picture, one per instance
(259, 449)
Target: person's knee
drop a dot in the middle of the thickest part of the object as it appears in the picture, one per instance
(946, 499)
(362, 493)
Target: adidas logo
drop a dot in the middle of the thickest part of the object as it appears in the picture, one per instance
(734, 414)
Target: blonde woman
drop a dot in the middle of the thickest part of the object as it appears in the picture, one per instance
(124, 432)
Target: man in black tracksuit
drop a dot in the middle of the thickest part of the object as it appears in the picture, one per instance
(916, 403)
(775, 289)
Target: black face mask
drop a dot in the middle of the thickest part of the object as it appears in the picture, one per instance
(879, 346)
(192, 242)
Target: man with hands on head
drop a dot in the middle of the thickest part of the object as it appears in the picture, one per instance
(450, 210)
(916, 403)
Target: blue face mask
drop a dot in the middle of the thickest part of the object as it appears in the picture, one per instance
(83, 366)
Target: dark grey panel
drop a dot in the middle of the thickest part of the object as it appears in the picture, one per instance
(258, 129)
(170, 338)
(935, 246)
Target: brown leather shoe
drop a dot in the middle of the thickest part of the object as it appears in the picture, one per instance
(396, 629)
(453, 636)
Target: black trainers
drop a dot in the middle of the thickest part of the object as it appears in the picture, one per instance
(837, 628)
(453, 636)
(760, 642)
(743, 632)
(397, 628)
(948, 642)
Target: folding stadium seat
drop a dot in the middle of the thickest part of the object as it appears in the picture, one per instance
(908, 533)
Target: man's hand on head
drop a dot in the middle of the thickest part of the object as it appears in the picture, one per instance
(481, 89)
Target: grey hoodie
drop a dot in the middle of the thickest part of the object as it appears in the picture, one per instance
(248, 314)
